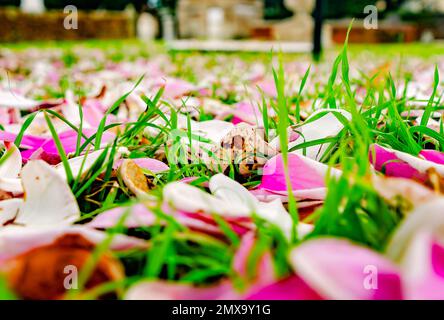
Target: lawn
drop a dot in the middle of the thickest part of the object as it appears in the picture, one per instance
(131, 172)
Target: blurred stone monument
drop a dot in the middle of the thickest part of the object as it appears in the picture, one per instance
(218, 19)
(300, 26)
(147, 27)
(286, 20)
(32, 6)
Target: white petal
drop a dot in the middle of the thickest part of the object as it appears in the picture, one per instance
(9, 209)
(11, 185)
(9, 99)
(12, 165)
(188, 198)
(213, 130)
(80, 165)
(428, 217)
(70, 108)
(326, 126)
(48, 199)
(275, 213)
(231, 191)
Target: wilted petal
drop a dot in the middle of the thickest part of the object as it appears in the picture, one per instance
(133, 177)
(338, 269)
(393, 189)
(17, 240)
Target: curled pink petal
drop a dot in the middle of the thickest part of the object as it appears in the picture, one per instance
(138, 216)
(249, 113)
(162, 290)
(388, 163)
(291, 288)
(338, 269)
(302, 176)
(152, 165)
(425, 277)
(264, 272)
(175, 88)
(433, 155)
(268, 87)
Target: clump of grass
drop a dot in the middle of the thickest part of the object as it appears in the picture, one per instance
(282, 127)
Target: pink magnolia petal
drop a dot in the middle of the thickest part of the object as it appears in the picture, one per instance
(302, 176)
(69, 140)
(94, 114)
(239, 225)
(265, 273)
(190, 180)
(162, 290)
(247, 112)
(433, 155)
(401, 164)
(152, 165)
(28, 141)
(387, 162)
(138, 215)
(338, 269)
(292, 288)
(425, 272)
(40, 154)
(417, 247)
(268, 87)
(175, 88)
(309, 198)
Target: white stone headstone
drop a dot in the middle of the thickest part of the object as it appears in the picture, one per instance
(146, 27)
(215, 23)
(32, 6)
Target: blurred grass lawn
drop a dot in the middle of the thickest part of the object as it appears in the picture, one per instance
(405, 49)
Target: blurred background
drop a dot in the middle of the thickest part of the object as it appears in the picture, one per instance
(286, 20)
